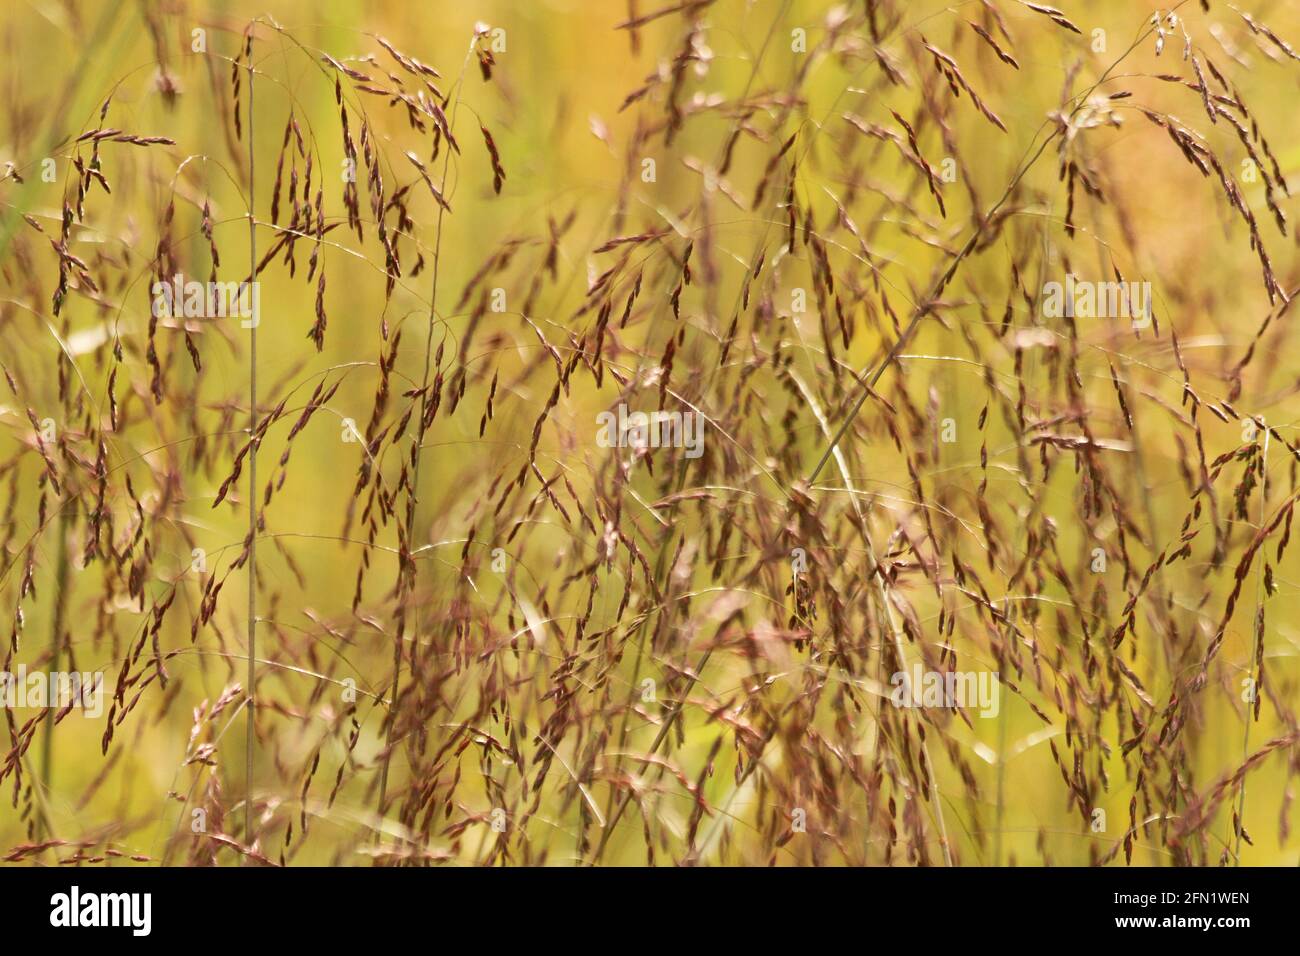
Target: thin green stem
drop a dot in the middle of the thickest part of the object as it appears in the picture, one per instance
(251, 736)
(1256, 657)
(56, 649)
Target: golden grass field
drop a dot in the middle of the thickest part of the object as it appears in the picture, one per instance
(368, 580)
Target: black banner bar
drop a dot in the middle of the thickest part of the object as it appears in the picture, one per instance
(137, 905)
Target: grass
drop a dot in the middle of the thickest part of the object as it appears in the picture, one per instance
(383, 530)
